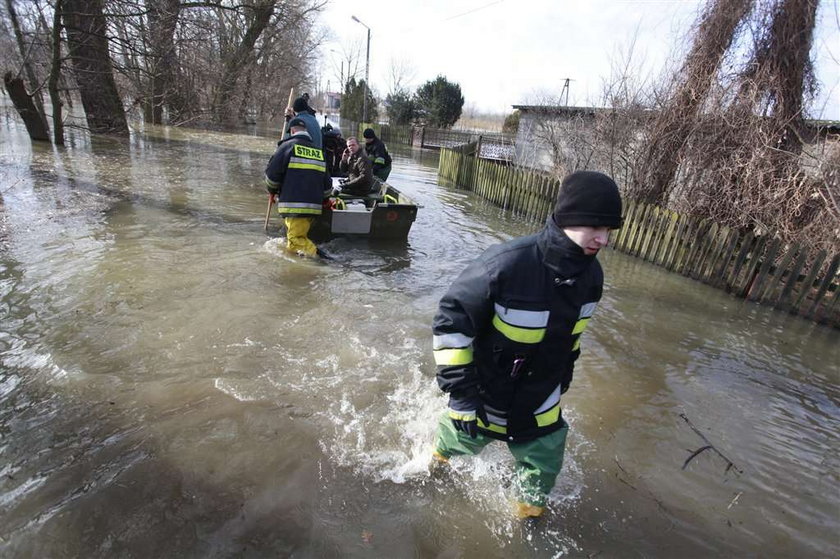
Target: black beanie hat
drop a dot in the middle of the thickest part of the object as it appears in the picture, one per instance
(369, 133)
(590, 199)
(300, 105)
(297, 122)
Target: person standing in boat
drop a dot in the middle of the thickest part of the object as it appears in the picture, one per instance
(507, 334)
(378, 154)
(359, 181)
(301, 109)
(298, 176)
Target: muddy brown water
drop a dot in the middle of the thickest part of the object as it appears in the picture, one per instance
(171, 386)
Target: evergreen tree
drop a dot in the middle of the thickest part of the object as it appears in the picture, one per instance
(439, 102)
(511, 124)
(401, 109)
(352, 102)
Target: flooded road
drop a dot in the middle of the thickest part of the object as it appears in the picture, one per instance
(171, 386)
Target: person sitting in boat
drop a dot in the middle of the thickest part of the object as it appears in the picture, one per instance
(378, 155)
(354, 162)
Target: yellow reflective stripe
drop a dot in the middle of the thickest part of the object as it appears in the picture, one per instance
(492, 427)
(450, 357)
(270, 182)
(549, 417)
(580, 326)
(576, 345)
(380, 160)
(309, 153)
(521, 335)
(288, 210)
(306, 166)
(462, 416)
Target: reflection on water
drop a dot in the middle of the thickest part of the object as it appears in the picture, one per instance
(172, 385)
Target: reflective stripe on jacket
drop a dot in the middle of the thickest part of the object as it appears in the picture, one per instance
(378, 154)
(298, 171)
(510, 325)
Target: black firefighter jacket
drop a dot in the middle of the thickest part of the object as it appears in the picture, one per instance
(298, 171)
(510, 325)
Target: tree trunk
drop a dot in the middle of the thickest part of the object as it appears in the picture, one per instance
(236, 63)
(26, 108)
(87, 39)
(55, 73)
(163, 19)
(27, 67)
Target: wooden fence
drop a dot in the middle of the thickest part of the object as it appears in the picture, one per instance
(759, 268)
(493, 145)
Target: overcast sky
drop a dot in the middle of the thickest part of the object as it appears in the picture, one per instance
(506, 52)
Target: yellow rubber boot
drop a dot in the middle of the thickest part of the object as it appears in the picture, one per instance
(524, 511)
(438, 464)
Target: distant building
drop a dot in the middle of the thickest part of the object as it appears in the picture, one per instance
(332, 102)
(535, 122)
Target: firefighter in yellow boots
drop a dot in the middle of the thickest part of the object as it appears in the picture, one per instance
(297, 175)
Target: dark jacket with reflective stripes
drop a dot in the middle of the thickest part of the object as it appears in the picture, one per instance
(298, 172)
(510, 326)
(378, 154)
(359, 175)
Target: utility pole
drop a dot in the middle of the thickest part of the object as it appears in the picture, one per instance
(566, 89)
(367, 70)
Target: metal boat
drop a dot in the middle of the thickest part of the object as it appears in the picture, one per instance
(387, 214)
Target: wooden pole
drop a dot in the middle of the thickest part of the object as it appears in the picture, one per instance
(268, 211)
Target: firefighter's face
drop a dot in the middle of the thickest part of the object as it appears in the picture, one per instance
(590, 239)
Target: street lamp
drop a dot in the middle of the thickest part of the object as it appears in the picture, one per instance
(367, 68)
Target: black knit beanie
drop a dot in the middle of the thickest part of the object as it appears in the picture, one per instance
(588, 198)
(300, 105)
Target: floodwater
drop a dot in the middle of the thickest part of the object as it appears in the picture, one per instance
(171, 386)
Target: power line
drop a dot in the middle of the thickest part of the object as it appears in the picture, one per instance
(473, 10)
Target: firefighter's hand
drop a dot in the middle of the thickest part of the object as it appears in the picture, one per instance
(464, 411)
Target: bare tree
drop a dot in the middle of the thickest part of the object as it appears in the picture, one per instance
(24, 50)
(715, 33)
(87, 39)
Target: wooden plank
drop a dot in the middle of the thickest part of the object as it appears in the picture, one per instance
(808, 283)
(707, 235)
(751, 267)
(621, 236)
(824, 285)
(676, 243)
(776, 276)
(661, 238)
(832, 310)
(688, 246)
(713, 240)
(727, 257)
(651, 232)
(763, 274)
(668, 237)
(707, 275)
(783, 301)
(745, 245)
(638, 229)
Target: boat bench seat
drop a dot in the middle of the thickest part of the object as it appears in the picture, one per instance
(372, 198)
